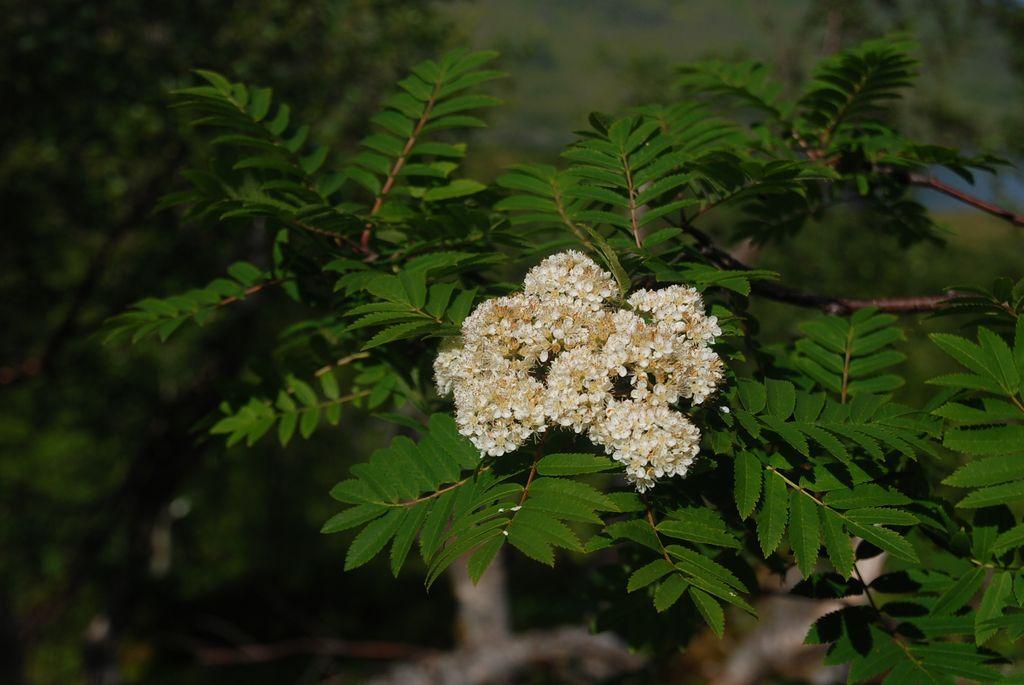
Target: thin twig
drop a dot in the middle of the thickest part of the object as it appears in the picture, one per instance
(927, 181)
(634, 223)
(389, 182)
(826, 303)
(251, 290)
(654, 530)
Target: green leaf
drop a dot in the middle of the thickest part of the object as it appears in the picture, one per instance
(803, 531)
(329, 384)
(885, 539)
(408, 529)
(995, 599)
(967, 381)
(964, 351)
(1000, 360)
(433, 526)
(562, 508)
(884, 654)
(864, 495)
(446, 433)
(956, 659)
(534, 533)
(698, 525)
(637, 530)
(959, 593)
(870, 516)
(462, 545)
(830, 332)
(303, 391)
(1008, 540)
(837, 543)
(710, 576)
(286, 427)
(699, 566)
(414, 283)
(990, 471)
(483, 556)
(352, 517)
(781, 398)
(309, 419)
(610, 259)
(994, 495)
(571, 464)
(645, 575)
(314, 160)
(669, 592)
(399, 332)
(747, 477)
(580, 492)
(372, 539)
(752, 395)
(771, 520)
(994, 440)
(710, 609)
(458, 188)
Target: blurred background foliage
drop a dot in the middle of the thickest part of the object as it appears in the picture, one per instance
(129, 547)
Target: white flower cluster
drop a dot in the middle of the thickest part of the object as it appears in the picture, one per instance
(560, 354)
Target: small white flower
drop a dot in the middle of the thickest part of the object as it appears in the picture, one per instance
(613, 374)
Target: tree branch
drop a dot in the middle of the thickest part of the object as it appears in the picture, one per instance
(848, 305)
(826, 303)
(594, 657)
(928, 181)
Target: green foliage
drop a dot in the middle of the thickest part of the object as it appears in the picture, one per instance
(391, 253)
(441, 491)
(436, 96)
(986, 415)
(849, 91)
(847, 357)
(998, 307)
(297, 407)
(162, 317)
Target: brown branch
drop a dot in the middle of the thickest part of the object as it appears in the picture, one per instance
(826, 303)
(251, 290)
(927, 181)
(848, 305)
(338, 238)
(319, 646)
(344, 361)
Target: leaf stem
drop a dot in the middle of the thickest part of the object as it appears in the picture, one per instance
(926, 181)
(654, 529)
(389, 182)
(344, 361)
(251, 290)
(436, 493)
(847, 353)
(633, 222)
(321, 405)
